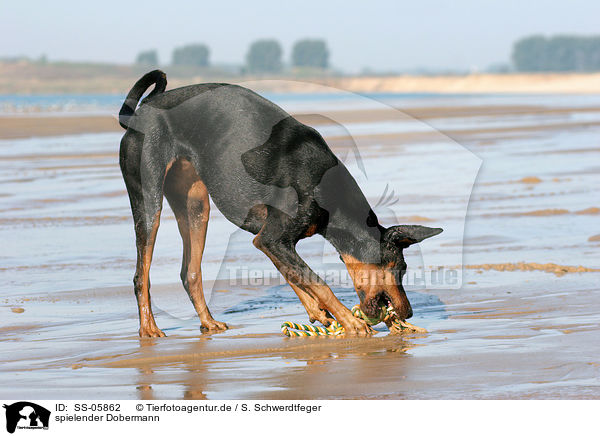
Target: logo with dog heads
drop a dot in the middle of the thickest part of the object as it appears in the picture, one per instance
(26, 415)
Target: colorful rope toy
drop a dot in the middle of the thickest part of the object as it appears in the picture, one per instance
(386, 315)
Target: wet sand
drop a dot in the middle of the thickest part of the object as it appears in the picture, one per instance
(19, 126)
(523, 324)
(530, 338)
(559, 270)
(34, 126)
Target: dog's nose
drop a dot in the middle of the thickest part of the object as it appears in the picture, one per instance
(409, 312)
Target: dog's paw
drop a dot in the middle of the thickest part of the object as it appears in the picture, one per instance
(213, 326)
(150, 330)
(356, 327)
(400, 326)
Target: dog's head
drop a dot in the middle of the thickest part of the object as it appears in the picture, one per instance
(379, 284)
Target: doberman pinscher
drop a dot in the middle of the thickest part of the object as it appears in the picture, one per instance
(268, 174)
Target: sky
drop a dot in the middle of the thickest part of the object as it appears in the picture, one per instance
(381, 35)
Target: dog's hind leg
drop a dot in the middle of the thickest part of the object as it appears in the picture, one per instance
(188, 197)
(145, 189)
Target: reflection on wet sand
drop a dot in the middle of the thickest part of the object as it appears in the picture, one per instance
(294, 369)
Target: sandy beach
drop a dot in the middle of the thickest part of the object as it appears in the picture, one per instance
(518, 322)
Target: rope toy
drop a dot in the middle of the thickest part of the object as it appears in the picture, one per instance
(386, 315)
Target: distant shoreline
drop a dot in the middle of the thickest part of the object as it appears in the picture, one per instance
(29, 78)
(468, 84)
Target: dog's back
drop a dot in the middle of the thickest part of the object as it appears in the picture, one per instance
(245, 149)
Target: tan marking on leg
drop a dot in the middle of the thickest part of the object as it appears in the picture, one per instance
(189, 200)
(352, 325)
(312, 306)
(148, 327)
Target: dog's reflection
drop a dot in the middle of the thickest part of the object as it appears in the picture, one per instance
(299, 368)
(194, 371)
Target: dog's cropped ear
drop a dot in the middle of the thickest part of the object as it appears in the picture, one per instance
(404, 236)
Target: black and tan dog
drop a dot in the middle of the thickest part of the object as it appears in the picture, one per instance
(268, 174)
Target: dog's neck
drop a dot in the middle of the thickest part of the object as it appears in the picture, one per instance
(353, 237)
(352, 226)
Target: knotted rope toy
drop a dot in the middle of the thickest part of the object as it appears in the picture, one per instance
(386, 315)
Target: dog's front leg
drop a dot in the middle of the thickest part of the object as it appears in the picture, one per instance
(299, 275)
(312, 306)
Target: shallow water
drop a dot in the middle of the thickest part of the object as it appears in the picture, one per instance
(69, 254)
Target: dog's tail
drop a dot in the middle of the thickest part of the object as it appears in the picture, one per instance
(156, 78)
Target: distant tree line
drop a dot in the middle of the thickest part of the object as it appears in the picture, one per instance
(192, 55)
(263, 56)
(310, 53)
(558, 53)
(148, 57)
